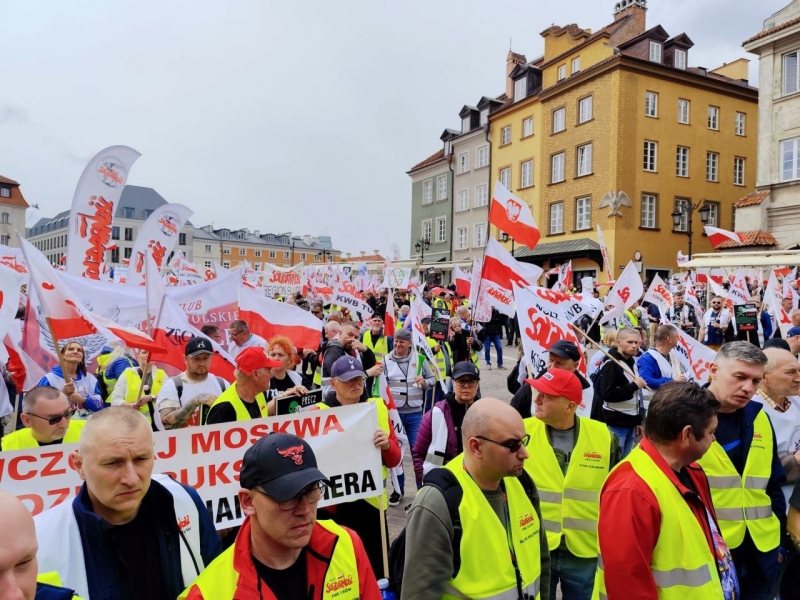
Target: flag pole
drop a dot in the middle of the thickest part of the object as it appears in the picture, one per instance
(147, 325)
(16, 410)
(58, 351)
(622, 366)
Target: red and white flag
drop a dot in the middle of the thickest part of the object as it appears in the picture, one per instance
(159, 234)
(682, 258)
(463, 281)
(772, 303)
(604, 252)
(399, 430)
(564, 283)
(627, 290)
(500, 270)
(269, 318)
(739, 292)
(389, 318)
(25, 372)
(658, 293)
(9, 299)
(513, 215)
(717, 236)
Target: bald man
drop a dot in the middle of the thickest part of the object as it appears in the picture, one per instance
(496, 500)
(128, 533)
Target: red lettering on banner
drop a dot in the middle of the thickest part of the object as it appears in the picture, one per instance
(238, 437)
(541, 329)
(172, 449)
(235, 438)
(13, 468)
(203, 442)
(38, 502)
(217, 474)
(49, 469)
(499, 296)
(551, 295)
(291, 278)
(97, 228)
(662, 291)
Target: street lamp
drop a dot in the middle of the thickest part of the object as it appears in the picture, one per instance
(686, 210)
(324, 254)
(422, 245)
(505, 237)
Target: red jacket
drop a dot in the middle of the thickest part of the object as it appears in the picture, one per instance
(630, 523)
(319, 552)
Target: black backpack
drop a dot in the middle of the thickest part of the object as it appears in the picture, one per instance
(597, 402)
(445, 481)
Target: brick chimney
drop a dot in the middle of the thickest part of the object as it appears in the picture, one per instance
(512, 60)
(635, 25)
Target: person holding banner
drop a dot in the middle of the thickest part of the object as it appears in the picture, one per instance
(82, 389)
(128, 533)
(241, 338)
(246, 398)
(282, 551)
(47, 417)
(134, 393)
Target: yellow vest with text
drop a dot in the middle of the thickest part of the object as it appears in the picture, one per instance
(486, 569)
(379, 348)
(232, 397)
(742, 503)
(23, 438)
(570, 504)
(133, 380)
(682, 565)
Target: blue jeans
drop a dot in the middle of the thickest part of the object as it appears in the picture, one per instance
(411, 423)
(625, 435)
(576, 575)
(498, 349)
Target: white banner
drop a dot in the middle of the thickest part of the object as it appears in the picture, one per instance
(13, 259)
(347, 296)
(396, 278)
(282, 280)
(209, 460)
(694, 357)
(159, 234)
(659, 294)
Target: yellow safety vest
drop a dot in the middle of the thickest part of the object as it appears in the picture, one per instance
(23, 438)
(486, 568)
(379, 348)
(441, 361)
(742, 502)
(54, 579)
(438, 303)
(683, 566)
(133, 380)
(232, 397)
(219, 580)
(570, 505)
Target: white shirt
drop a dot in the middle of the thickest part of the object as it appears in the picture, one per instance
(168, 396)
(787, 430)
(254, 340)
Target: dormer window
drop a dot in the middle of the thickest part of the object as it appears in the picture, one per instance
(5, 192)
(680, 59)
(240, 235)
(484, 116)
(655, 52)
(271, 238)
(520, 88)
(447, 148)
(466, 124)
(224, 233)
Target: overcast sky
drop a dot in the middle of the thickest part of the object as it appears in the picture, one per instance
(292, 115)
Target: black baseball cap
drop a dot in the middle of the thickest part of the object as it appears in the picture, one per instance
(282, 464)
(466, 368)
(197, 346)
(565, 349)
(346, 368)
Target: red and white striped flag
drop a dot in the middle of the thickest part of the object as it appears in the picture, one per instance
(463, 281)
(500, 269)
(389, 318)
(513, 215)
(268, 318)
(717, 236)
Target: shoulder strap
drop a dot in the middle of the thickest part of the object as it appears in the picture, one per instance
(178, 385)
(445, 481)
(527, 485)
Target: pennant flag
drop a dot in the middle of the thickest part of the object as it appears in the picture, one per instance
(627, 290)
(500, 269)
(604, 252)
(9, 299)
(269, 318)
(512, 215)
(463, 281)
(389, 317)
(716, 236)
(159, 234)
(13, 259)
(658, 293)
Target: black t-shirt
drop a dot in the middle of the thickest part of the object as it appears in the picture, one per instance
(279, 386)
(729, 436)
(225, 413)
(53, 443)
(685, 479)
(286, 584)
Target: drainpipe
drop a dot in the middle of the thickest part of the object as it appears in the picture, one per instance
(488, 129)
(452, 201)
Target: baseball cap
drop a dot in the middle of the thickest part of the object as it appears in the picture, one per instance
(426, 320)
(197, 346)
(346, 368)
(565, 349)
(403, 335)
(251, 359)
(558, 382)
(282, 464)
(466, 368)
(793, 332)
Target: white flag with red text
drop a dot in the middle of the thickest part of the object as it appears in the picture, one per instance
(513, 215)
(773, 304)
(627, 289)
(738, 291)
(694, 357)
(345, 295)
(658, 293)
(604, 251)
(159, 234)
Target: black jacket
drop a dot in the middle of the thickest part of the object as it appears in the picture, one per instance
(615, 387)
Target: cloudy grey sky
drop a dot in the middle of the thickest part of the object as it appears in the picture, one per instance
(290, 115)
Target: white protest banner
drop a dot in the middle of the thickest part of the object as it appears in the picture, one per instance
(13, 259)
(558, 305)
(347, 296)
(694, 357)
(159, 234)
(691, 296)
(587, 284)
(396, 278)
(659, 294)
(284, 281)
(93, 203)
(209, 460)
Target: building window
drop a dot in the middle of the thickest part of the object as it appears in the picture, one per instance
(712, 166)
(481, 195)
(128, 252)
(147, 213)
(583, 213)
(480, 235)
(181, 239)
(208, 264)
(441, 229)
(648, 217)
(207, 248)
(463, 200)
(584, 160)
(559, 120)
(303, 256)
(114, 232)
(680, 59)
(557, 217)
(683, 112)
(226, 250)
(227, 264)
(684, 207)
(713, 118)
(655, 52)
(5, 193)
(505, 177)
(738, 171)
(526, 174)
(441, 186)
(576, 64)
(129, 234)
(427, 191)
(483, 156)
(463, 163)
(740, 123)
(682, 162)
(285, 255)
(5, 218)
(115, 255)
(461, 238)
(484, 116)
(427, 229)
(651, 104)
(790, 73)
(272, 253)
(225, 234)
(790, 159)
(585, 109)
(520, 88)
(242, 251)
(258, 253)
(127, 212)
(557, 170)
(562, 72)
(713, 213)
(650, 156)
(505, 135)
(527, 127)
(466, 124)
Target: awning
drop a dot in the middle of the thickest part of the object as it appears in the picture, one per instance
(558, 249)
(745, 259)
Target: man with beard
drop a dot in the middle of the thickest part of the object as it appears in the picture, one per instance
(348, 344)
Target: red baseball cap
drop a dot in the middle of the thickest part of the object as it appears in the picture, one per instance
(251, 359)
(558, 382)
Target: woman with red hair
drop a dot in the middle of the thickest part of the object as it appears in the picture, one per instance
(285, 380)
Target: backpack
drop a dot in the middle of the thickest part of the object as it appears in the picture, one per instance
(204, 410)
(597, 403)
(445, 481)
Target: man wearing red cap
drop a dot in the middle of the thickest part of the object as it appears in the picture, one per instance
(245, 398)
(572, 458)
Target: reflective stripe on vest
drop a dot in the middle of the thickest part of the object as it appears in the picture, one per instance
(664, 367)
(134, 380)
(627, 407)
(486, 568)
(232, 397)
(401, 384)
(742, 503)
(379, 348)
(682, 564)
(436, 451)
(570, 505)
(23, 438)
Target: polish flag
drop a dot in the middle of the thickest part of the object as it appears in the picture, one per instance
(500, 269)
(512, 215)
(717, 236)
(25, 372)
(463, 282)
(268, 318)
(389, 318)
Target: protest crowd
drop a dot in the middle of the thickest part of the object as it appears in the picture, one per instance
(231, 440)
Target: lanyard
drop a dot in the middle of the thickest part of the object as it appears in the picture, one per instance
(510, 540)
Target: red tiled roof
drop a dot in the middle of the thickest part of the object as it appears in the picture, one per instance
(607, 30)
(16, 199)
(766, 32)
(7, 180)
(428, 161)
(751, 199)
(751, 238)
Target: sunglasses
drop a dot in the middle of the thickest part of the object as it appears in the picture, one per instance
(56, 419)
(510, 445)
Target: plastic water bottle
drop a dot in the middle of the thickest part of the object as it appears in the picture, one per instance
(386, 593)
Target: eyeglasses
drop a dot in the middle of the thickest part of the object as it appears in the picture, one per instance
(468, 383)
(511, 445)
(56, 419)
(313, 494)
